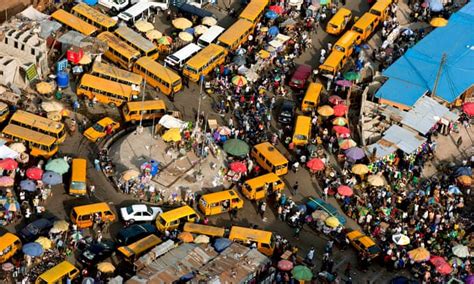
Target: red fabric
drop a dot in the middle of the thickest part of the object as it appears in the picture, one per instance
(340, 110)
(8, 164)
(34, 173)
(468, 108)
(315, 164)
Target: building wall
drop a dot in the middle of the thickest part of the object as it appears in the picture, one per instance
(9, 8)
(8, 70)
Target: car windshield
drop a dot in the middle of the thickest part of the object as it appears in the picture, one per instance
(89, 255)
(149, 210)
(129, 210)
(99, 128)
(32, 229)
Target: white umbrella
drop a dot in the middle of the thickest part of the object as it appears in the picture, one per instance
(18, 147)
(185, 36)
(200, 29)
(401, 239)
(209, 21)
(461, 251)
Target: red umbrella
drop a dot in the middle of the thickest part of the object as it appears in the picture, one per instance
(335, 100)
(285, 265)
(315, 165)
(277, 9)
(344, 190)
(8, 164)
(441, 265)
(341, 129)
(34, 173)
(340, 110)
(468, 108)
(238, 167)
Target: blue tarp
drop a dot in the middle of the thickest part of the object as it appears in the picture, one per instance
(418, 67)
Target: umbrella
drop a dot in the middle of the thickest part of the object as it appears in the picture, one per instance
(455, 261)
(238, 167)
(438, 22)
(325, 110)
(341, 130)
(302, 273)
(461, 251)
(363, 211)
(419, 254)
(315, 165)
(239, 60)
(464, 180)
(60, 226)
(345, 144)
(264, 29)
(76, 236)
(468, 108)
(271, 15)
(376, 180)
(44, 242)
(172, 135)
(182, 23)
(201, 239)
(12, 205)
(186, 237)
(88, 280)
(185, 36)
(277, 9)
(236, 147)
(344, 83)
(441, 265)
(28, 185)
(8, 164)
(360, 169)
(332, 222)
(335, 99)
(18, 147)
(463, 171)
(454, 190)
(401, 239)
(285, 265)
(239, 80)
(44, 88)
(130, 174)
(7, 266)
(154, 34)
(273, 31)
(339, 121)
(106, 267)
(6, 181)
(59, 166)
(224, 130)
(324, 2)
(351, 76)
(288, 22)
(355, 153)
(52, 178)
(340, 110)
(200, 29)
(344, 190)
(33, 249)
(320, 215)
(144, 26)
(49, 106)
(209, 21)
(190, 30)
(221, 244)
(34, 173)
(165, 40)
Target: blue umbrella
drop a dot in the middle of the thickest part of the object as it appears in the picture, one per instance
(239, 60)
(33, 249)
(28, 185)
(221, 244)
(273, 31)
(271, 15)
(52, 178)
(463, 171)
(189, 30)
(355, 153)
(454, 190)
(435, 5)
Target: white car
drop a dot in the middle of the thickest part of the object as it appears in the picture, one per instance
(140, 212)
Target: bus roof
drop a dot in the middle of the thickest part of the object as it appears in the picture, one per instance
(203, 56)
(94, 15)
(38, 121)
(313, 91)
(204, 229)
(302, 121)
(140, 245)
(34, 136)
(365, 20)
(106, 85)
(250, 234)
(52, 274)
(183, 210)
(74, 22)
(219, 196)
(146, 105)
(101, 206)
(380, 5)
(234, 32)
(151, 65)
(135, 38)
(348, 37)
(119, 73)
(253, 9)
(271, 153)
(333, 59)
(270, 177)
(7, 239)
(117, 44)
(79, 167)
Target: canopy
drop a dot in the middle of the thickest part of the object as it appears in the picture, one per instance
(285, 265)
(376, 180)
(201, 239)
(130, 174)
(238, 167)
(185, 36)
(341, 130)
(44, 242)
(106, 267)
(360, 169)
(332, 222)
(320, 215)
(153, 34)
(345, 144)
(172, 135)
(236, 147)
(315, 165)
(52, 178)
(18, 147)
(355, 153)
(461, 251)
(144, 26)
(58, 165)
(169, 121)
(6, 181)
(441, 265)
(339, 121)
(6, 152)
(28, 185)
(186, 237)
(340, 110)
(60, 226)
(8, 164)
(34, 173)
(325, 110)
(345, 190)
(209, 21)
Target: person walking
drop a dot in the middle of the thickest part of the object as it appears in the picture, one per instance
(310, 256)
(295, 188)
(347, 271)
(91, 191)
(263, 207)
(296, 235)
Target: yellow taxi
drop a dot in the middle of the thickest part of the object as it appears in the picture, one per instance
(101, 128)
(363, 243)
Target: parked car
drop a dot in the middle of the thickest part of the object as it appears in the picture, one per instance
(35, 229)
(301, 76)
(363, 243)
(135, 232)
(287, 112)
(140, 212)
(96, 252)
(101, 128)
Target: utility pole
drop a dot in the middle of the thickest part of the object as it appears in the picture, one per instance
(438, 75)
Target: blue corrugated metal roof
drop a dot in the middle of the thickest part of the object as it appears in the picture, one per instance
(400, 91)
(404, 139)
(380, 150)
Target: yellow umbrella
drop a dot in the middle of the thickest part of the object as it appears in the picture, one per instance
(465, 180)
(182, 23)
(144, 26)
(106, 267)
(186, 237)
(153, 34)
(18, 147)
(200, 29)
(86, 59)
(130, 174)
(360, 169)
(209, 21)
(60, 226)
(239, 80)
(332, 222)
(438, 22)
(419, 254)
(44, 242)
(185, 36)
(264, 29)
(44, 88)
(376, 180)
(172, 135)
(325, 110)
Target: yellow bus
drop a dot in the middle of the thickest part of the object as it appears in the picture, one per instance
(143, 110)
(254, 10)
(302, 132)
(119, 51)
(339, 21)
(207, 230)
(311, 98)
(204, 61)
(366, 25)
(39, 124)
(333, 63)
(381, 9)
(237, 34)
(347, 42)
(10, 244)
(263, 239)
(269, 158)
(94, 17)
(220, 202)
(104, 91)
(158, 75)
(58, 274)
(135, 40)
(39, 144)
(74, 22)
(112, 73)
(175, 218)
(133, 251)
(4, 112)
(78, 185)
(259, 187)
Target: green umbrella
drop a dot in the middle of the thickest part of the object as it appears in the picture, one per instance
(236, 147)
(302, 273)
(59, 166)
(351, 76)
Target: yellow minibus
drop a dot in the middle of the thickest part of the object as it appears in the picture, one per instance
(74, 22)
(4, 112)
(38, 143)
(112, 73)
(262, 239)
(104, 91)
(135, 40)
(333, 63)
(220, 202)
(119, 51)
(237, 34)
(39, 124)
(207, 230)
(9, 245)
(339, 21)
(302, 132)
(259, 187)
(83, 216)
(59, 274)
(78, 185)
(347, 42)
(381, 9)
(204, 61)
(269, 158)
(311, 98)
(366, 25)
(133, 251)
(94, 17)
(175, 218)
(143, 110)
(254, 10)
(158, 76)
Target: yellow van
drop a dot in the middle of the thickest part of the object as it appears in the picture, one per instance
(302, 133)
(381, 9)
(220, 202)
(263, 239)
(83, 216)
(347, 42)
(366, 25)
(311, 98)
(133, 251)
(258, 188)
(143, 110)
(363, 243)
(172, 219)
(207, 230)
(9, 245)
(333, 63)
(269, 158)
(78, 184)
(58, 274)
(339, 21)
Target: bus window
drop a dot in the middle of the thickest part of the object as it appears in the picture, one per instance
(119, 51)
(104, 91)
(158, 75)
